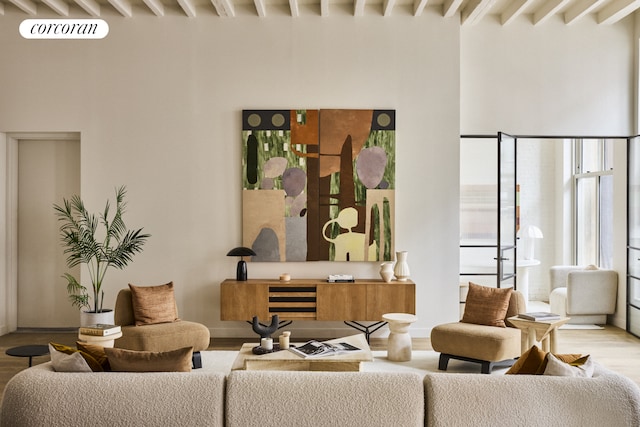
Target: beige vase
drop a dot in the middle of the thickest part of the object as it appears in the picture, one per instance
(402, 268)
(386, 271)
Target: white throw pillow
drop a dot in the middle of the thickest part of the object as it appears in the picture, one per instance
(63, 362)
(557, 367)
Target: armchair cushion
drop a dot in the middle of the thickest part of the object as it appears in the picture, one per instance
(153, 304)
(486, 306)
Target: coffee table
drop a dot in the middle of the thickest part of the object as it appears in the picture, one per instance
(544, 331)
(286, 360)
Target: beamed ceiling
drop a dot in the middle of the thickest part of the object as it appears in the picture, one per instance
(467, 11)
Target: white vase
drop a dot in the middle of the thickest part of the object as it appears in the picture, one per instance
(105, 317)
(402, 268)
(386, 271)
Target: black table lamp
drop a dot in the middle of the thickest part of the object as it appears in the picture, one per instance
(241, 271)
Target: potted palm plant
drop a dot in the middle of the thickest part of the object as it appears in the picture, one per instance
(99, 242)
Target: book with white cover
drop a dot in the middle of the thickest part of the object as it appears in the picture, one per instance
(539, 315)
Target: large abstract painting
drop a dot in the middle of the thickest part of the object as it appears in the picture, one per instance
(318, 184)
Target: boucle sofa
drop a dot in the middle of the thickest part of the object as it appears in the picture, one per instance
(38, 396)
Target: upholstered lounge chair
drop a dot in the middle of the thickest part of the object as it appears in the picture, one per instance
(490, 346)
(156, 337)
(586, 295)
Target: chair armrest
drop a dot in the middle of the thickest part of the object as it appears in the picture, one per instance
(592, 292)
(123, 314)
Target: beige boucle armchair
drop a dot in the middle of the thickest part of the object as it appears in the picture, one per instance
(490, 346)
(157, 337)
(585, 294)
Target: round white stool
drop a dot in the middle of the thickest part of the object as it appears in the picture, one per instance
(399, 344)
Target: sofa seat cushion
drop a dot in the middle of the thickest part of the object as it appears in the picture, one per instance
(164, 336)
(489, 343)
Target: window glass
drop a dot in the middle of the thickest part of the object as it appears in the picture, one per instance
(590, 159)
(586, 221)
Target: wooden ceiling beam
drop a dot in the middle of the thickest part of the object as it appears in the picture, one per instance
(581, 9)
(515, 9)
(90, 6)
(27, 6)
(387, 7)
(295, 9)
(547, 10)
(450, 7)
(224, 8)
(188, 7)
(418, 7)
(324, 8)
(123, 7)
(58, 6)
(261, 8)
(358, 8)
(1, 8)
(617, 10)
(156, 7)
(475, 10)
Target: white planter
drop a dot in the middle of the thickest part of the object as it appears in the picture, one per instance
(105, 317)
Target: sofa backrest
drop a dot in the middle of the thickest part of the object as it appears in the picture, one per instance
(355, 399)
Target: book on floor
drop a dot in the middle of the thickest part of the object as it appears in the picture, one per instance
(316, 348)
(539, 315)
(99, 330)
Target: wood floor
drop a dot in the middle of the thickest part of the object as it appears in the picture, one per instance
(611, 347)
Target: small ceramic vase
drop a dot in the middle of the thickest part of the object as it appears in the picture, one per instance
(402, 268)
(386, 271)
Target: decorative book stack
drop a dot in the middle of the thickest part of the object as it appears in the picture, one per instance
(99, 330)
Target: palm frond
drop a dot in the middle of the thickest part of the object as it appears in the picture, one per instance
(78, 235)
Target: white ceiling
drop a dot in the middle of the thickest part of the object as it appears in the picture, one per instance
(470, 11)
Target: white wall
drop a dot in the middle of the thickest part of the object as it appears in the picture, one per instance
(553, 79)
(158, 104)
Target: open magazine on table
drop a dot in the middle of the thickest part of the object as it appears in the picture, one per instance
(316, 348)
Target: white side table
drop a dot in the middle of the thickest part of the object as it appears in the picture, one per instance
(399, 343)
(523, 266)
(107, 341)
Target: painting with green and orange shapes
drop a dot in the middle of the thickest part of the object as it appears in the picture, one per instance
(319, 185)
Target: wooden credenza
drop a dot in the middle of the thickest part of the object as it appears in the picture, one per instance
(315, 299)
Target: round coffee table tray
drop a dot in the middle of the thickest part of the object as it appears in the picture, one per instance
(260, 350)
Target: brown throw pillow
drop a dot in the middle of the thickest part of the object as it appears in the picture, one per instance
(95, 351)
(122, 360)
(153, 304)
(529, 363)
(486, 306)
(91, 361)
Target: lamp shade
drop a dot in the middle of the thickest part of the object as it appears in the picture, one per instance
(241, 251)
(241, 270)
